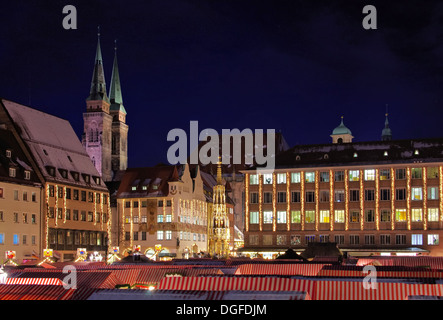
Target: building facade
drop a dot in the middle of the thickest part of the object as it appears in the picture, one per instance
(20, 201)
(370, 198)
(162, 212)
(74, 199)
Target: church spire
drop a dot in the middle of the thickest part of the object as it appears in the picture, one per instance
(98, 84)
(115, 91)
(386, 134)
(219, 172)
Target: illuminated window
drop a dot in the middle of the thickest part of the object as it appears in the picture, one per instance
(310, 177)
(385, 174)
(416, 173)
(159, 218)
(281, 239)
(168, 218)
(267, 239)
(253, 179)
(253, 217)
(400, 215)
(416, 214)
(354, 216)
(168, 235)
(324, 216)
(354, 175)
(281, 216)
(416, 193)
(370, 175)
(417, 239)
(267, 217)
(432, 172)
(295, 240)
(339, 216)
(295, 177)
(433, 240)
(16, 239)
(281, 178)
(432, 214)
(432, 193)
(310, 216)
(12, 172)
(160, 235)
(267, 178)
(295, 216)
(385, 215)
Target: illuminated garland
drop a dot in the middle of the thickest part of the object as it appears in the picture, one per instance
(172, 209)
(260, 206)
(274, 200)
(109, 224)
(94, 199)
(302, 199)
(247, 202)
(64, 203)
(425, 198)
(377, 200)
(131, 232)
(392, 199)
(164, 209)
(316, 200)
(47, 218)
(123, 227)
(56, 205)
(440, 176)
(102, 199)
(288, 203)
(346, 201)
(331, 199)
(362, 205)
(408, 197)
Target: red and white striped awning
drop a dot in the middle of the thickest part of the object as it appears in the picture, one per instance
(31, 292)
(35, 281)
(434, 263)
(382, 272)
(279, 269)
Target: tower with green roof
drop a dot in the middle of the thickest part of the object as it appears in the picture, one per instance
(341, 134)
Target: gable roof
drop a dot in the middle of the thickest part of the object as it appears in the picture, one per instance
(53, 144)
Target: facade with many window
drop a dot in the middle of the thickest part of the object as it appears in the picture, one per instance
(376, 197)
(162, 212)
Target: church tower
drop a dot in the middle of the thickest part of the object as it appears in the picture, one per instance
(341, 134)
(97, 120)
(119, 137)
(386, 133)
(218, 224)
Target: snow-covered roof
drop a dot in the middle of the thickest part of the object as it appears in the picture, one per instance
(53, 143)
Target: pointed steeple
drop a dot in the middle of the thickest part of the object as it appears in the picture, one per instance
(386, 134)
(115, 90)
(98, 84)
(219, 172)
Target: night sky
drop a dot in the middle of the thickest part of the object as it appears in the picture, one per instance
(293, 66)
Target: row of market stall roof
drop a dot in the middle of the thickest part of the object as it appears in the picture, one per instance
(397, 278)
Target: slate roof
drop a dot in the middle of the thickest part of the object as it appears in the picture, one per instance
(54, 144)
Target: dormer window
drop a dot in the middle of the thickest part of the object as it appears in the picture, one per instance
(12, 172)
(134, 188)
(27, 175)
(51, 171)
(75, 175)
(87, 178)
(63, 173)
(355, 155)
(8, 153)
(385, 153)
(416, 152)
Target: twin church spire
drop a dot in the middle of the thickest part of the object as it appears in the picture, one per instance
(105, 130)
